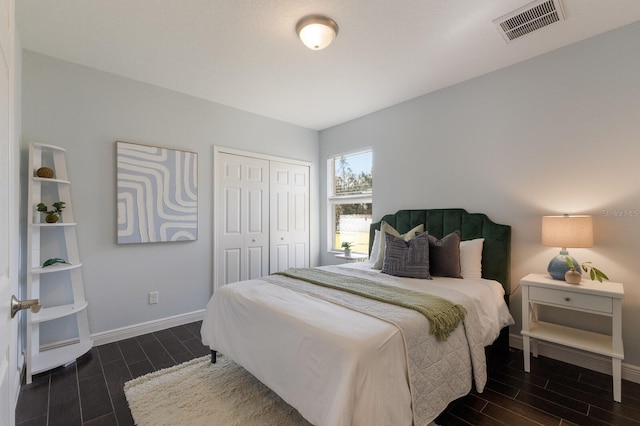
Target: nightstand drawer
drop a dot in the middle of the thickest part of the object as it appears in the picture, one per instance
(571, 299)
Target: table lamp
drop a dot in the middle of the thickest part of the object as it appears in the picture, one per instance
(566, 232)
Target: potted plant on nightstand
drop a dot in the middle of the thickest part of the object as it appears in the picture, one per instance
(347, 248)
(573, 276)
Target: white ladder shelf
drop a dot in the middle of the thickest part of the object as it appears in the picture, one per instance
(59, 287)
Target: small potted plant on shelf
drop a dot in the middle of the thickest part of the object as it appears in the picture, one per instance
(347, 248)
(52, 216)
(573, 276)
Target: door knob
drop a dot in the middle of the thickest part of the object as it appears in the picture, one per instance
(16, 305)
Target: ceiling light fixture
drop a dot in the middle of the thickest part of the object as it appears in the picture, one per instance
(316, 31)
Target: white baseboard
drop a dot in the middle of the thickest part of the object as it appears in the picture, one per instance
(110, 336)
(583, 359)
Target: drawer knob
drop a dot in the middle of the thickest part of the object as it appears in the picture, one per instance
(567, 299)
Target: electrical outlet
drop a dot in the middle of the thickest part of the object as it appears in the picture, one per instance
(153, 297)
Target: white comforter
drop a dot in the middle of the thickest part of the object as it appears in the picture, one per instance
(341, 367)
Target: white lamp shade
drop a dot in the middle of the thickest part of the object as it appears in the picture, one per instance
(567, 231)
(317, 32)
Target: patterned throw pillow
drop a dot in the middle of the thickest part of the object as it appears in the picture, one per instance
(444, 255)
(385, 228)
(407, 258)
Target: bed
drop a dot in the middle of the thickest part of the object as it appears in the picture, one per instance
(337, 365)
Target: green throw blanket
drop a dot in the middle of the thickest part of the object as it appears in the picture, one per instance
(443, 315)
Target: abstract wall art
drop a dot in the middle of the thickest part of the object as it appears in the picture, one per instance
(157, 194)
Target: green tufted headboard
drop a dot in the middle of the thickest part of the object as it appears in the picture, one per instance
(496, 253)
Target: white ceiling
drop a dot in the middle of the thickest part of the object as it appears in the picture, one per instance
(245, 53)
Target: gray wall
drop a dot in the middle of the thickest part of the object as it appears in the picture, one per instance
(555, 134)
(86, 111)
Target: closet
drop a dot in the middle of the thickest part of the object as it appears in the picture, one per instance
(261, 215)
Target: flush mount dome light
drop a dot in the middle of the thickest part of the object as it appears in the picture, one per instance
(317, 32)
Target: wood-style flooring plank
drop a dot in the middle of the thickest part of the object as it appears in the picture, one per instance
(554, 393)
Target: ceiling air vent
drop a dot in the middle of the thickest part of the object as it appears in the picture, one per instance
(529, 18)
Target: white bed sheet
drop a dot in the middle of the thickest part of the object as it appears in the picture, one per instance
(336, 366)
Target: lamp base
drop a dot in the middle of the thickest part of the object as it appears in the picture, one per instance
(559, 266)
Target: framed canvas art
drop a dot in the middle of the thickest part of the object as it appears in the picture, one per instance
(157, 194)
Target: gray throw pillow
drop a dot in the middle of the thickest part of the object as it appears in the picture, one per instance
(407, 258)
(388, 229)
(444, 256)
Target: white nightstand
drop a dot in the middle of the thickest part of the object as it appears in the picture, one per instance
(589, 296)
(353, 257)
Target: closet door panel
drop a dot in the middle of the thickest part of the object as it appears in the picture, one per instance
(299, 212)
(289, 191)
(282, 212)
(280, 257)
(232, 218)
(256, 212)
(300, 255)
(256, 263)
(232, 266)
(241, 218)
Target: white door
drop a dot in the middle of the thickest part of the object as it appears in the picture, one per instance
(289, 216)
(8, 218)
(241, 218)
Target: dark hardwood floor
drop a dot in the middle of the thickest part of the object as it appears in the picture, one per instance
(554, 393)
(90, 391)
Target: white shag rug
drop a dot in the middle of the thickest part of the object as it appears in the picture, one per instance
(200, 393)
(203, 394)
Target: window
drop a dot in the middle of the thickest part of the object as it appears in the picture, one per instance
(350, 200)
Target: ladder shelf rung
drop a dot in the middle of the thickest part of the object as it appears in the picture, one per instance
(51, 180)
(45, 146)
(52, 358)
(54, 225)
(48, 314)
(58, 267)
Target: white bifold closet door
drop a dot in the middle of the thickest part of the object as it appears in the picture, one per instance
(261, 217)
(289, 216)
(241, 219)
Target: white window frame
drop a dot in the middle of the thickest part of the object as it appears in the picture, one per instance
(333, 200)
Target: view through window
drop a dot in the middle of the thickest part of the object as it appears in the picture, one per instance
(350, 200)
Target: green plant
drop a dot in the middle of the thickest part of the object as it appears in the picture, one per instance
(53, 261)
(594, 273)
(347, 245)
(52, 215)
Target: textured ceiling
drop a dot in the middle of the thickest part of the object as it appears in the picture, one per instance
(245, 54)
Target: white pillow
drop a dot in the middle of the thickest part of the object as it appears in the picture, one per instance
(385, 227)
(375, 248)
(471, 258)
